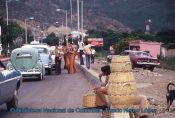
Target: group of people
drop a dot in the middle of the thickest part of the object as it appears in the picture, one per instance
(68, 52)
(87, 50)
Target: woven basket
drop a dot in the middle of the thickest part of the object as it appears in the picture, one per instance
(122, 89)
(118, 59)
(121, 77)
(121, 102)
(121, 64)
(121, 67)
(89, 100)
(121, 85)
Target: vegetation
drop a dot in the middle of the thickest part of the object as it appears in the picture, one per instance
(133, 13)
(12, 35)
(51, 39)
(167, 63)
(120, 42)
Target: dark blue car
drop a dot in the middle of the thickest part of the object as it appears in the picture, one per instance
(10, 82)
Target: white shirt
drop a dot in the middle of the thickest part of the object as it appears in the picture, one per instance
(93, 51)
(81, 45)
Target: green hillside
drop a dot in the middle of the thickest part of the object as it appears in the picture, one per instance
(131, 13)
(134, 12)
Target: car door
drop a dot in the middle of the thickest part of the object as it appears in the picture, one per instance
(1, 80)
(3, 96)
(8, 85)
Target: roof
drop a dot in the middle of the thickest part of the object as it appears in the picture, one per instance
(132, 51)
(35, 45)
(133, 42)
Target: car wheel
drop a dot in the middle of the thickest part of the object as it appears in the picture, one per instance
(50, 71)
(151, 68)
(133, 67)
(14, 102)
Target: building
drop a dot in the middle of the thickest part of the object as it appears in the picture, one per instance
(149, 46)
(168, 50)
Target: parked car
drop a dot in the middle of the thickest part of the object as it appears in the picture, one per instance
(10, 82)
(141, 59)
(45, 56)
(28, 62)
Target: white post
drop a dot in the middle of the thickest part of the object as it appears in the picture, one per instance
(66, 28)
(7, 12)
(82, 19)
(66, 23)
(78, 17)
(26, 31)
(34, 30)
(71, 12)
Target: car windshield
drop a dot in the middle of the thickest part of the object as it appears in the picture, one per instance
(42, 50)
(142, 54)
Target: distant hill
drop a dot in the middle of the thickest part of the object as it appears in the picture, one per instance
(119, 15)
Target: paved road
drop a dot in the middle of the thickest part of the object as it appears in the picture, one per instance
(63, 91)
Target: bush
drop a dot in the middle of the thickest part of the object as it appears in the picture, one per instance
(102, 54)
(167, 63)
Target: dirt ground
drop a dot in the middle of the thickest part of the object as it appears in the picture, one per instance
(155, 87)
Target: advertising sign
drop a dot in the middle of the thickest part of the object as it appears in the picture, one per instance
(98, 42)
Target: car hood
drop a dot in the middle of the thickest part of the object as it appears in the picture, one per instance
(44, 58)
(151, 58)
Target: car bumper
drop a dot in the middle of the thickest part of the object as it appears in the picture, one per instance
(146, 63)
(30, 74)
(47, 66)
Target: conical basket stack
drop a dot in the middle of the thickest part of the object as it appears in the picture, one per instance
(121, 86)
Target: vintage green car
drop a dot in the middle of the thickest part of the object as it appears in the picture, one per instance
(28, 62)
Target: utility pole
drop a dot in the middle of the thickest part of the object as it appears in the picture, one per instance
(7, 13)
(78, 14)
(71, 12)
(25, 31)
(82, 19)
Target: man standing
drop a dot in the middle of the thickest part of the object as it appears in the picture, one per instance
(58, 52)
(88, 53)
(81, 48)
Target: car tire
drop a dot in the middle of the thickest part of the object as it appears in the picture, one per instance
(14, 102)
(50, 71)
(151, 68)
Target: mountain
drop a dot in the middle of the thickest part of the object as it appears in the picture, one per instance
(119, 15)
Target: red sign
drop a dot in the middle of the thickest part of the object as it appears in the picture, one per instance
(96, 41)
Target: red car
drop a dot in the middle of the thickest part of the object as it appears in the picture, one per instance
(141, 59)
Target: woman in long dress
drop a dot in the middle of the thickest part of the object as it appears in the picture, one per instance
(70, 56)
(75, 53)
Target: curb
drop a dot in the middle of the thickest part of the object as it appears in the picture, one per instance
(90, 74)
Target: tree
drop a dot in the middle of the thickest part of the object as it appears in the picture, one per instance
(11, 33)
(51, 39)
(167, 36)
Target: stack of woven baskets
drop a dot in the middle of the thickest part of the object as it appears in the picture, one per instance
(121, 86)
